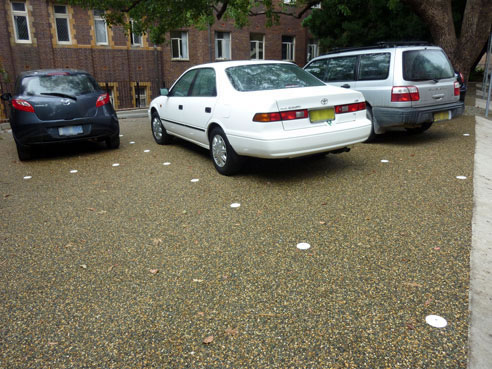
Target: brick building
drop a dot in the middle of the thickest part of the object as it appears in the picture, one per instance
(43, 34)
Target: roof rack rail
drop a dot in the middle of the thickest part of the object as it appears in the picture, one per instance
(380, 45)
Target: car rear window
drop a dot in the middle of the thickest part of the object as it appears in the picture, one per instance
(258, 77)
(423, 65)
(69, 84)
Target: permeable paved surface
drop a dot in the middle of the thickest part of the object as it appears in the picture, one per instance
(137, 265)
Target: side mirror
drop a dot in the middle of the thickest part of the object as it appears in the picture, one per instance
(164, 91)
(6, 96)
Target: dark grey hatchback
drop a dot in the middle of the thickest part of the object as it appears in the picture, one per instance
(60, 105)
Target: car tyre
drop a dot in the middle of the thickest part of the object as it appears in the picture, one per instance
(113, 142)
(369, 116)
(158, 131)
(424, 127)
(23, 152)
(225, 159)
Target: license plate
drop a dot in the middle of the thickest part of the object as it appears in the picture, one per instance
(70, 130)
(443, 115)
(323, 115)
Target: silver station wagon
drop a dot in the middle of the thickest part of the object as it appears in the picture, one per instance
(408, 86)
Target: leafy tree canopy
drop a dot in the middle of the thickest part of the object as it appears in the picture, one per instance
(347, 23)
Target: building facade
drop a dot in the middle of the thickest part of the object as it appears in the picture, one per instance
(43, 34)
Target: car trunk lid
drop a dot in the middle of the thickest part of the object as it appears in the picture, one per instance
(49, 107)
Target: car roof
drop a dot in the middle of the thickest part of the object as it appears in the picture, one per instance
(44, 72)
(236, 63)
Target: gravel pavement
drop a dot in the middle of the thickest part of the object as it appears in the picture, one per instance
(138, 266)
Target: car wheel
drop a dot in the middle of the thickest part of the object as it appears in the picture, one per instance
(158, 130)
(424, 127)
(225, 159)
(369, 116)
(23, 152)
(113, 142)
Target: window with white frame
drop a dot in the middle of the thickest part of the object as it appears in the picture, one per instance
(62, 24)
(312, 49)
(257, 46)
(21, 22)
(136, 38)
(222, 45)
(179, 45)
(288, 47)
(101, 29)
(140, 96)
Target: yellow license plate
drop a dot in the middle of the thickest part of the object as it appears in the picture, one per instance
(322, 115)
(443, 115)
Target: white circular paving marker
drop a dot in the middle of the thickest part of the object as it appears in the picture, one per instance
(121, 135)
(27, 177)
(74, 171)
(132, 142)
(235, 205)
(195, 180)
(460, 177)
(166, 163)
(466, 134)
(303, 246)
(384, 161)
(116, 164)
(436, 321)
(146, 150)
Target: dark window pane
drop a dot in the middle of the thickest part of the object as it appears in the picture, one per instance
(374, 66)
(77, 84)
(62, 29)
(60, 9)
(341, 69)
(422, 65)
(19, 7)
(21, 27)
(182, 87)
(318, 68)
(204, 84)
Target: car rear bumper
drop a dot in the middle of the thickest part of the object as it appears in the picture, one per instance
(399, 117)
(35, 133)
(301, 145)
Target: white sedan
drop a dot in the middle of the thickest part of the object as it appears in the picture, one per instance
(266, 109)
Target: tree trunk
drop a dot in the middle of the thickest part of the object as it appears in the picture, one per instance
(475, 29)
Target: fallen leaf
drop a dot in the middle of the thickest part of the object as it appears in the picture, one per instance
(412, 284)
(154, 271)
(69, 245)
(437, 248)
(112, 267)
(321, 222)
(5, 196)
(208, 340)
(83, 266)
(52, 343)
(410, 326)
(231, 332)
(157, 241)
(200, 313)
(102, 212)
(198, 280)
(91, 209)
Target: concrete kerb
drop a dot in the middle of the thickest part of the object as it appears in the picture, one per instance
(480, 300)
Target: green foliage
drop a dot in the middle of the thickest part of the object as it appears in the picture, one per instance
(347, 23)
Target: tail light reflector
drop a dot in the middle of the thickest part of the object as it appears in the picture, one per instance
(285, 115)
(456, 88)
(22, 105)
(102, 100)
(350, 108)
(405, 93)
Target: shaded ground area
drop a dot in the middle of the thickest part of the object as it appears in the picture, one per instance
(135, 265)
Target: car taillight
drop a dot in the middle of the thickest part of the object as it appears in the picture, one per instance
(22, 105)
(405, 93)
(456, 88)
(350, 108)
(102, 100)
(285, 115)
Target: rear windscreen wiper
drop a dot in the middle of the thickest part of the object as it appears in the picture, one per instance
(59, 94)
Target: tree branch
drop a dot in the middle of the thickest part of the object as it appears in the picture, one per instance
(222, 10)
(133, 5)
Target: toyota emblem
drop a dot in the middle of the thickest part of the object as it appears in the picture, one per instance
(324, 101)
(65, 101)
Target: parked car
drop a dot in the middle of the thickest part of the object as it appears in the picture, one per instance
(264, 109)
(59, 105)
(405, 85)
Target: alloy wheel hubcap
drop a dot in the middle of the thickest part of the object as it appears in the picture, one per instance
(157, 128)
(219, 151)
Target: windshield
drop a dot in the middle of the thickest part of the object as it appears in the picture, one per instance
(423, 65)
(258, 77)
(64, 84)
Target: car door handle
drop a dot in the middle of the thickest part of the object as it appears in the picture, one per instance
(438, 96)
(208, 110)
(180, 107)
(345, 85)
